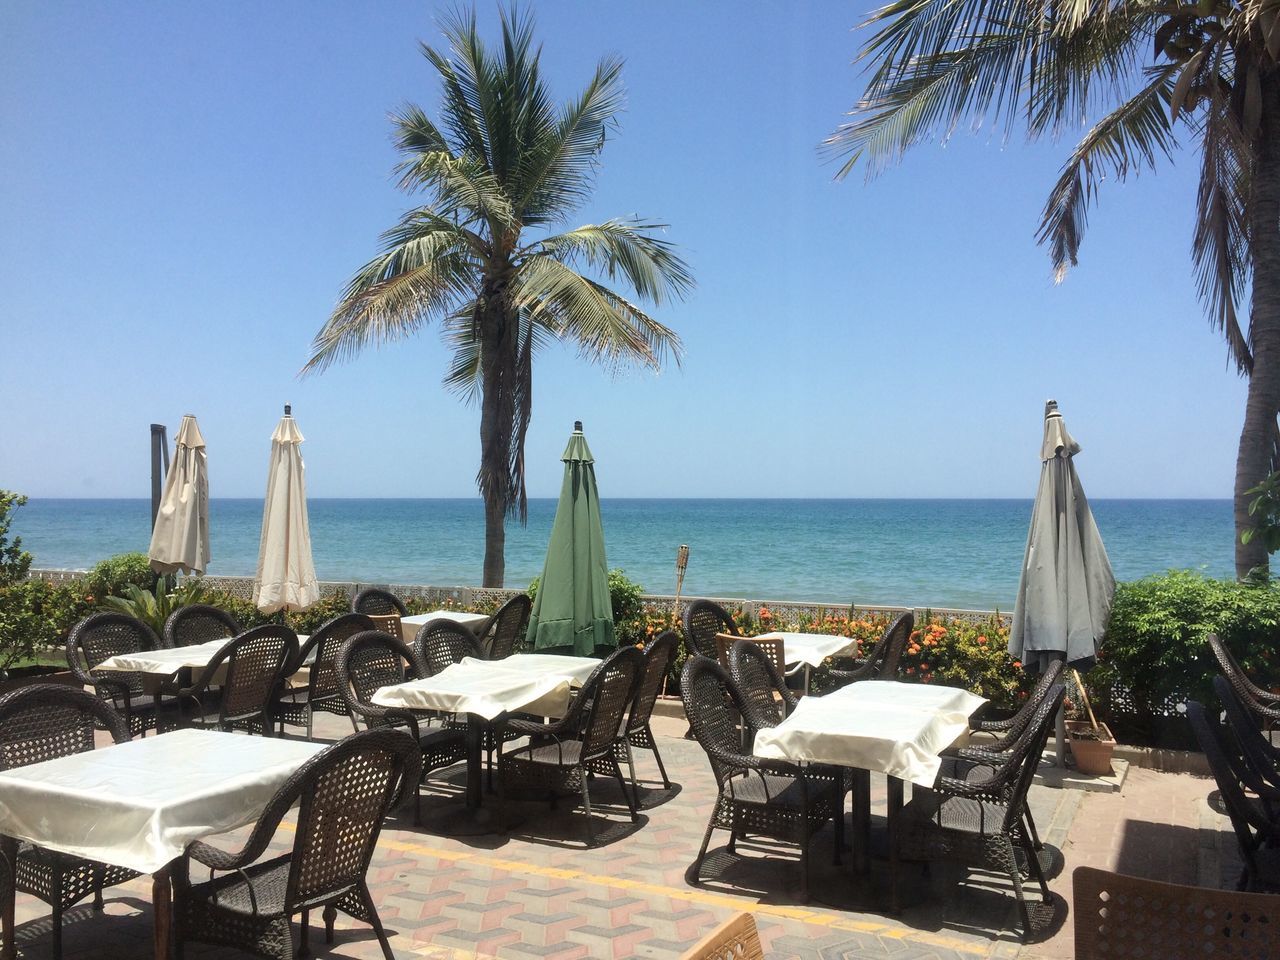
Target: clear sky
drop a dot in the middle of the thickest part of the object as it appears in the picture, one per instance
(186, 188)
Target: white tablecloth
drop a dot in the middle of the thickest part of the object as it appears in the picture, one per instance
(138, 804)
(409, 626)
(538, 683)
(809, 648)
(165, 662)
(894, 728)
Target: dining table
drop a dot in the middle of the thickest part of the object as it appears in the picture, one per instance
(487, 690)
(883, 726)
(409, 626)
(802, 652)
(138, 804)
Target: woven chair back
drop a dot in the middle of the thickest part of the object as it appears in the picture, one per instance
(388, 623)
(199, 623)
(657, 662)
(507, 627)
(1249, 692)
(888, 650)
(1209, 736)
(713, 704)
(101, 636)
(375, 602)
(1024, 756)
(1020, 720)
(1254, 760)
(49, 720)
(606, 695)
(442, 643)
(766, 701)
(735, 939)
(703, 619)
(1119, 917)
(255, 666)
(345, 792)
(326, 642)
(371, 660)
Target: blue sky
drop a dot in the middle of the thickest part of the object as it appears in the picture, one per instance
(187, 187)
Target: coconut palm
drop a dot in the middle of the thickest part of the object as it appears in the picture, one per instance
(1207, 68)
(502, 169)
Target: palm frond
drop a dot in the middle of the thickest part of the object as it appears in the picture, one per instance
(627, 249)
(1131, 137)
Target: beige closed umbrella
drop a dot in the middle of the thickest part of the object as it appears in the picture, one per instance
(286, 577)
(180, 536)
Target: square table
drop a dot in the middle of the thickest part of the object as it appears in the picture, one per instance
(138, 804)
(804, 651)
(484, 690)
(898, 729)
(409, 626)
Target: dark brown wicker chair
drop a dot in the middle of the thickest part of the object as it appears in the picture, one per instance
(703, 619)
(372, 660)
(249, 672)
(765, 697)
(1256, 759)
(442, 643)
(342, 795)
(637, 732)
(99, 637)
(882, 662)
(298, 705)
(771, 798)
(1012, 726)
(1263, 703)
(505, 629)
(559, 754)
(199, 623)
(375, 602)
(43, 722)
(981, 821)
(1257, 837)
(1128, 918)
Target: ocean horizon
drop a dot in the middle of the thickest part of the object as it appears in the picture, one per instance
(918, 552)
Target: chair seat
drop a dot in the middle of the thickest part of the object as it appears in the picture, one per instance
(269, 881)
(441, 747)
(959, 814)
(779, 791)
(567, 753)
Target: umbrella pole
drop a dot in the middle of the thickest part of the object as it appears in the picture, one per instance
(159, 449)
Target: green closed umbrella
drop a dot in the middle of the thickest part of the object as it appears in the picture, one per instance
(572, 612)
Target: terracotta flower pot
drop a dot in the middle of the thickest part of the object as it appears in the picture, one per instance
(1092, 756)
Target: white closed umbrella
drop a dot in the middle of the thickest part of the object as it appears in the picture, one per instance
(1064, 595)
(286, 577)
(180, 536)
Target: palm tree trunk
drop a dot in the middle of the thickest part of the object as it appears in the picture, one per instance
(1258, 438)
(498, 359)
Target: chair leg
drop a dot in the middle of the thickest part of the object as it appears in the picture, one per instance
(304, 932)
(1031, 829)
(330, 914)
(55, 892)
(804, 865)
(375, 921)
(586, 803)
(626, 794)
(631, 769)
(839, 825)
(702, 851)
(99, 875)
(666, 783)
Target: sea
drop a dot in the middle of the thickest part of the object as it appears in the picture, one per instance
(921, 553)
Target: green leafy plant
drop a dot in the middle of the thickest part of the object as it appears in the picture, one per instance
(14, 561)
(111, 576)
(153, 607)
(1264, 508)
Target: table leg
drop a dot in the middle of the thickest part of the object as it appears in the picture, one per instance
(475, 760)
(894, 817)
(862, 817)
(9, 851)
(162, 910)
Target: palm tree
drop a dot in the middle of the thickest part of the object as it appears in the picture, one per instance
(1209, 68)
(502, 170)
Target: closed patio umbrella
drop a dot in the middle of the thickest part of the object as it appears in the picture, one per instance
(180, 535)
(286, 578)
(572, 611)
(1064, 595)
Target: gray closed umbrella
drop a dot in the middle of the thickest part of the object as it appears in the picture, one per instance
(1065, 592)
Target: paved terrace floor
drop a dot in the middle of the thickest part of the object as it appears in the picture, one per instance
(537, 893)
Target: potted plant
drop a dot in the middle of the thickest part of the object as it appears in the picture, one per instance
(1091, 742)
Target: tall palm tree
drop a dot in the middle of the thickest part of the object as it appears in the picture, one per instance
(1156, 66)
(501, 171)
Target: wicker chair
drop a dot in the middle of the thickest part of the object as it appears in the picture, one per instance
(101, 636)
(298, 705)
(386, 609)
(1256, 760)
(371, 660)
(559, 754)
(442, 643)
(342, 795)
(766, 699)
(981, 822)
(882, 662)
(249, 672)
(703, 619)
(1256, 836)
(638, 732)
(735, 939)
(1127, 918)
(199, 623)
(1263, 703)
(772, 798)
(42, 722)
(501, 633)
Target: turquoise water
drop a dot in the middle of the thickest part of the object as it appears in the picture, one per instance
(961, 553)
